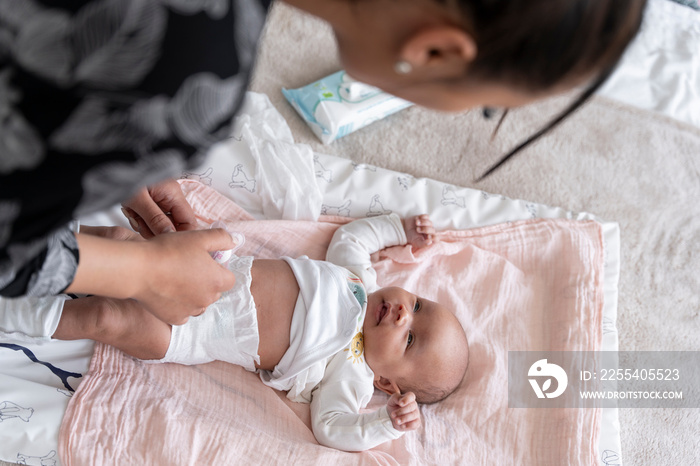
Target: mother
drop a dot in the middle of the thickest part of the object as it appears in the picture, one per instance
(101, 99)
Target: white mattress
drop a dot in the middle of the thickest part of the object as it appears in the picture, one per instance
(660, 72)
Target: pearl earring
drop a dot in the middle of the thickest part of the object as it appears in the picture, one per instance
(402, 67)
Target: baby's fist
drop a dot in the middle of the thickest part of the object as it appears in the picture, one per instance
(420, 231)
(403, 411)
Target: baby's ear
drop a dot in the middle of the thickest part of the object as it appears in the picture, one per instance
(386, 385)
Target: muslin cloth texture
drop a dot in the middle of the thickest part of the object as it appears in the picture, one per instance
(527, 285)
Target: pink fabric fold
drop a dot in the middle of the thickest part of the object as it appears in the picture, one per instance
(528, 285)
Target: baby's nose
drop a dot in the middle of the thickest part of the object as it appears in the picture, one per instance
(403, 315)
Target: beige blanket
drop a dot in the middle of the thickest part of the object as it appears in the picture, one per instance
(529, 285)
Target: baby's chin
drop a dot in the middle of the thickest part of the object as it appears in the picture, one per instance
(367, 354)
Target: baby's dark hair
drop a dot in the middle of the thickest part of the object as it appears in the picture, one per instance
(536, 45)
(427, 393)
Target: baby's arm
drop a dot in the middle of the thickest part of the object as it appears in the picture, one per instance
(354, 243)
(336, 419)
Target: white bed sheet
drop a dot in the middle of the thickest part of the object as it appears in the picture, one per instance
(35, 398)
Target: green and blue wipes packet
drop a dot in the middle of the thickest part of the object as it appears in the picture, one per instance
(337, 105)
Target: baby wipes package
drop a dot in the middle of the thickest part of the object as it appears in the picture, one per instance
(338, 105)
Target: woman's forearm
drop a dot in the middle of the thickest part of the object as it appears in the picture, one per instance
(172, 275)
(108, 267)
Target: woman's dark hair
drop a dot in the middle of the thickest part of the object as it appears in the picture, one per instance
(535, 45)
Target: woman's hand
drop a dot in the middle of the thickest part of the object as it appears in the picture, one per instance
(159, 209)
(183, 278)
(172, 275)
(420, 231)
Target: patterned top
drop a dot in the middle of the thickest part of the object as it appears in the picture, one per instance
(691, 3)
(100, 98)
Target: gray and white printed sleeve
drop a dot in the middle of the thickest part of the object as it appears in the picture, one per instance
(99, 98)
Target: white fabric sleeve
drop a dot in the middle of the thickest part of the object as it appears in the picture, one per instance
(335, 408)
(354, 242)
(30, 319)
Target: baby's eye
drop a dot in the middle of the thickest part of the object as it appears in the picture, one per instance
(416, 306)
(409, 340)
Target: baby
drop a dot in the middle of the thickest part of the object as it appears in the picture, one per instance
(320, 330)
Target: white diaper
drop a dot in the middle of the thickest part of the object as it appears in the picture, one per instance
(226, 331)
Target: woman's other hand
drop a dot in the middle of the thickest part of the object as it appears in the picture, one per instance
(159, 209)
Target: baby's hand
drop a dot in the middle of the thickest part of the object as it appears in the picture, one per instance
(420, 231)
(403, 411)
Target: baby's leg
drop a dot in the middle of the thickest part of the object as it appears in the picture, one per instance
(124, 324)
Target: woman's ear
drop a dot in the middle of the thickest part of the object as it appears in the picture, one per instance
(438, 46)
(386, 385)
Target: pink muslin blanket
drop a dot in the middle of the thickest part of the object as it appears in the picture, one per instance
(528, 285)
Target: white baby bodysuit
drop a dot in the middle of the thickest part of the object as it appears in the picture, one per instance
(325, 363)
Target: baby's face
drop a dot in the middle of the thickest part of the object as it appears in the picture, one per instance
(406, 336)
